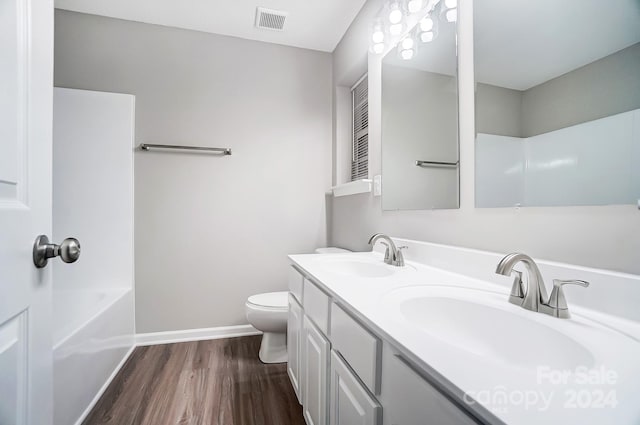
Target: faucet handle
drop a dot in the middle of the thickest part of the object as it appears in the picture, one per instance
(399, 260)
(557, 300)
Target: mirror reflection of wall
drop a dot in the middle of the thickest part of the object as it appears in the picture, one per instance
(557, 102)
(420, 120)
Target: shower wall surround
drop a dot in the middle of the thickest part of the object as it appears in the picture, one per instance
(598, 236)
(210, 231)
(593, 163)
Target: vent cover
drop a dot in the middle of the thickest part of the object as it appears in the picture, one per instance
(270, 19)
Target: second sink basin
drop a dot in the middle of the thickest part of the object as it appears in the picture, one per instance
(483, 323)
(359, 268)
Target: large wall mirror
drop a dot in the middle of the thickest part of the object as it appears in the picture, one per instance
(557, 102)
(420, 159)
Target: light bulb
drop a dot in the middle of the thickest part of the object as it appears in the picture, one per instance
(378, 48)
(452, 15)
(377, 36)
(427, 36)
(395, 12)
(450, 4)
(426, 23)
(407, 43)
(395, 29)
(406, 54)
(414, 6)
(395, 16)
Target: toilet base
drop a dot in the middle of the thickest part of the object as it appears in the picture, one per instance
(273, 348)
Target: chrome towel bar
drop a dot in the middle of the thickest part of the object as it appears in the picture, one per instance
(221, 151)
(437, 164)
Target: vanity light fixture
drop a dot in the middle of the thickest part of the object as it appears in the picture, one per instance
(395, 12)
(377, 34)
(407, 54)
(415, 6)
(427, 36)
(377, 37)
(391, 24)
(407, 43)
(450, 10)
(396, 29)
(426, 23)
(407, 48)
(427, 29)
(378, 48)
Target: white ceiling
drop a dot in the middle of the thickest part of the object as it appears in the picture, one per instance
(521, 44)
(311, 24)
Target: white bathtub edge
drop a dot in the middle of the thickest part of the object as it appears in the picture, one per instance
(200, 334)
(104, 386)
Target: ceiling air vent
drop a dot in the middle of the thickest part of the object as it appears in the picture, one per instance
(270, 19)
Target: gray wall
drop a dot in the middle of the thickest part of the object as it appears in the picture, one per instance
(498, 110)
(600, 89)
(606, 237)
(606, 87)
(211, 230)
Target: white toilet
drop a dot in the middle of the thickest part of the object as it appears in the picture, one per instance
(268, 313)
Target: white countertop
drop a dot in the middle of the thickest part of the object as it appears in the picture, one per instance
(607, 347)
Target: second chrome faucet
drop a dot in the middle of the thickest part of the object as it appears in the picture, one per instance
(392, 255)
(533, 295)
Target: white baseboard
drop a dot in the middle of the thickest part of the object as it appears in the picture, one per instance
(169, 337)
(104, 387)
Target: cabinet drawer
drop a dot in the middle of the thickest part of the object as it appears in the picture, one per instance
(295, 283)
(316, 306)
(357, 346)
(408, 399)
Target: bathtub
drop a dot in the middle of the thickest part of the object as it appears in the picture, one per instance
(93, 335)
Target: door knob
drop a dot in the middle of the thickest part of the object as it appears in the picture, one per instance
(68, 250)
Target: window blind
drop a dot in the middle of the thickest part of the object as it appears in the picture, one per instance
(360, 140)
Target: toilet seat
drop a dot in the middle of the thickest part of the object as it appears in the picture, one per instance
(270, 300)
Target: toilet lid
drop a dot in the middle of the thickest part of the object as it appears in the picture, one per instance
(270, 299)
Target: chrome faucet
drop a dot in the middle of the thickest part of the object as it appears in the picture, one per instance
(535, 298)
(392, 254)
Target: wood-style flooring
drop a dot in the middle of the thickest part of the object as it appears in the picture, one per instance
(215, 382)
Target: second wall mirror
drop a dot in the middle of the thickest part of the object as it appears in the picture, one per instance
(557, 102)
(420, 154)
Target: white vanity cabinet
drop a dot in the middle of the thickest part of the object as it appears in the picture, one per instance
(294, 345)
(346, 374)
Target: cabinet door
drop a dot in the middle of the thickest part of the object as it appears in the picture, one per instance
(350, 403)
(294, 332)
(315, 359)
(408, 399)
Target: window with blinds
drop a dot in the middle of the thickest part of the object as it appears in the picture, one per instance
(360, 145)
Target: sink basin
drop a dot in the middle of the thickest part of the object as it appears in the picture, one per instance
(359, 268)
(483, 323)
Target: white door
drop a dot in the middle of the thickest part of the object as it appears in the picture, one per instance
(26, 90)
(316, 358)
